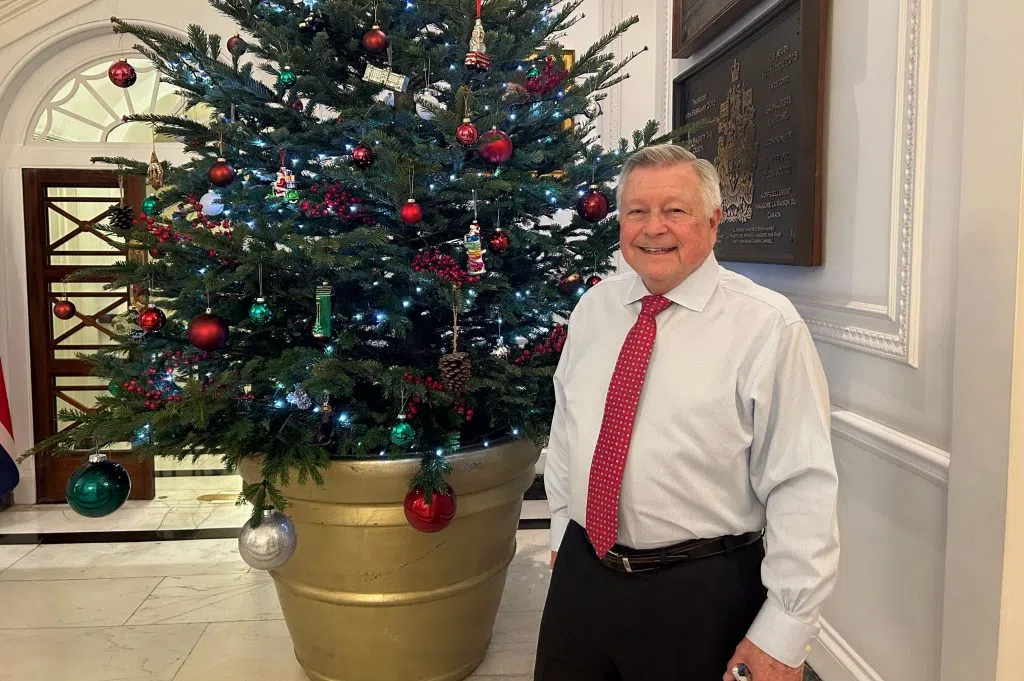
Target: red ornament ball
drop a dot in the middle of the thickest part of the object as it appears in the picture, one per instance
(221, 173)
(411, 212)
(593, 206)
(467, 132)
(593, 281)
(64, 309)
(498, 243)
(155, 253)
(496, 146)
(152, 318)
(362, 155)
(432, 517)
(375, 40)
(208, 332)
(236, 45)
(122, 74)
(297, 105)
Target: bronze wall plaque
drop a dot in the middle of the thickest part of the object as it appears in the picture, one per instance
(695, 23)
(756, 107)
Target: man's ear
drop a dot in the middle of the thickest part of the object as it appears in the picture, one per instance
(716, 219)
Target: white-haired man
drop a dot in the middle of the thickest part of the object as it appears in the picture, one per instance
(689, 471)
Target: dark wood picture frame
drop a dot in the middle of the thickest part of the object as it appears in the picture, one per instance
(809, 102)
(687, 39)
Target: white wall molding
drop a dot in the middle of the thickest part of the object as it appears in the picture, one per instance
(611, 16)
(905, 451)
(907, 224)
(844, 320)
(843, 655)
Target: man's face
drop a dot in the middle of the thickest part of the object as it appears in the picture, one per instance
(663, 231)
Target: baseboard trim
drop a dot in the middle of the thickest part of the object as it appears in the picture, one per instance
(909, 453)
(836, 660)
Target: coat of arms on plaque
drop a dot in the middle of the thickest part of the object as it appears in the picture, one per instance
(737, 150)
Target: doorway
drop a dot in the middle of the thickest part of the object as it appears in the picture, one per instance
(63, 209)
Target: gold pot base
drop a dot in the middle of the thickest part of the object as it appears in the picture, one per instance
(368, 598)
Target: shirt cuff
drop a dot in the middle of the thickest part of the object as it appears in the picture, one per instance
(559, 524)
(781, 635)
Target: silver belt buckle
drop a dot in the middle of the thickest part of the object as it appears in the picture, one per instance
(625, 561)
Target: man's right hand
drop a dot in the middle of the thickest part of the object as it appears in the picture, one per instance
(554, 554)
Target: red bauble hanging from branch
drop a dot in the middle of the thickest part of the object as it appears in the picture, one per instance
(411, 212)
(375, 41)
(498, 242)
(593, 206)
(152, 318)
(64, 309)
(495, 146)
(221, 173)
(362, 156)
(208, 331)
(467, 132)
(236, 45)
(432, 517)
(122, 74)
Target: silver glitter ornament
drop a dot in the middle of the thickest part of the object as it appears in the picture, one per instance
(270, 545)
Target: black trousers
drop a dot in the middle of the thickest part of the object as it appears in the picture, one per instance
(681, 623)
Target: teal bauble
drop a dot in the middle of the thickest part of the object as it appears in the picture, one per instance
(260, 312)
(114, 387)
(402, 434)
(149, 205)
(287, 77)
(98, 488)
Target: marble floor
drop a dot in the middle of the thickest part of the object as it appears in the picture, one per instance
(192, 611)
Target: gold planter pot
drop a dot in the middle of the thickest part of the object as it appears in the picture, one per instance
(368, 598)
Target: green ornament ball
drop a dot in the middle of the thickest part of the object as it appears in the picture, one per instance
(260, 312)
(533, 72)
(291, 195)
(402, 434)
(114, 387)
(98, 488)
(287, 77)
(149, 205)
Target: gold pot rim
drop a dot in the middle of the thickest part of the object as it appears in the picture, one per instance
(359, 481)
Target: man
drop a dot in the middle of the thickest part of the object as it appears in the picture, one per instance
(689, 470)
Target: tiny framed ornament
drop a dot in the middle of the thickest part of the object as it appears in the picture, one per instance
(386, 77)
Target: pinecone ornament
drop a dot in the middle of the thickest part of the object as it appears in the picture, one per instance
(121, 218)
(455, 369)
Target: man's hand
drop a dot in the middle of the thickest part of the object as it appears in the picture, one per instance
(554, 554)
(763, 667)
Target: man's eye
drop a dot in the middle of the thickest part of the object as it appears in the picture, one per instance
(637, 211)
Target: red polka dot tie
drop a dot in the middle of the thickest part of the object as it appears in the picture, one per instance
(617, 427)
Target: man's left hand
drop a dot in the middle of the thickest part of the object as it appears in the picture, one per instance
(763, 667)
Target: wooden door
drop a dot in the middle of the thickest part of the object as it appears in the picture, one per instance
(62, 210)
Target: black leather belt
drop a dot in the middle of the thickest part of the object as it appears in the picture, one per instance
(637, 561)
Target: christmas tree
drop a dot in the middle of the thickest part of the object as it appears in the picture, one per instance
(389, 212)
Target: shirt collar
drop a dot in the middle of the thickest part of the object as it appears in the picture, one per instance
(693, 292)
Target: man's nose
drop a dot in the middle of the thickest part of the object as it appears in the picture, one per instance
(655, 225)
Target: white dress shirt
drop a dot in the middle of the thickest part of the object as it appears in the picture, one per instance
(731, 436)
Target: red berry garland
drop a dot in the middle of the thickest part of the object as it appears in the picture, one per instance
(548, 80)
(552, 344)
(444, 266)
